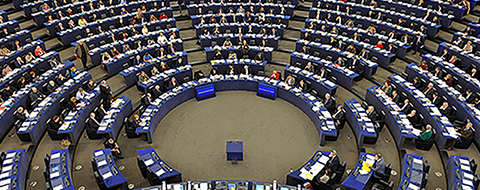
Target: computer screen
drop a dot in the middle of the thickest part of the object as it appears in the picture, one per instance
(260, 187)
(230, 185)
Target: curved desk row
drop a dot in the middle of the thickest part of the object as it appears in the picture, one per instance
(463, 81)
(314, 82)
(238, 65)
(287, 2)
(14, 170)
(193, 9)
(432, 28)
(171, 99)
(454, 98)
(224, 185)
(362, 125)
(469, 60)
(19, 69)
(229, 17)
(413, 173)
(310, 169)
(106, 171)
(40, 16)
(360, 175)
(60, 170)
(20, 98)
(252, 39)
(182, 74)
(395, 119)
(253, 51)
(112, 123)
(128, 58)
(325, 50)
(343, 75)
(132, 73)
(382, 56)
(74, 123)
(155, 169)
(233, 28)
(444, 129)
(34, 127)
(460, 173)
(23, 36)
(400, 48)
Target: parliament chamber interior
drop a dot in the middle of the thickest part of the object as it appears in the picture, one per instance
(245, 94)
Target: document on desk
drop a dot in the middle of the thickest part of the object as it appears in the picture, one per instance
(102, 163)
(305, 174)
(465, 167)
(10, 155)
(7, 168)
(5, 182)
(316, 168)
(324, 159)
(4, 175)
(203, 186)
(160, 172)
(107, 175)
(54, 175)
(413, 187)
(148, 162)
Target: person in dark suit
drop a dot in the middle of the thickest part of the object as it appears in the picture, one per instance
(340, 62)
(53, 63)
(339, 116)
(101, 112)
(391, 49)
(340, 45)
(429, 90)
(418, 84)
(92, 124)
(309, 67)
(114, 148)
(372, 114)
(464, 133)
(419, 44)
(334, 161)
(445, 55)
(469, 96)
(447, 111)
(379, 166)
(156, 92)
(259, 57)
(329, 103)
(246, 70)
(405, 107)
(364, 54)
(395, 97)
(105, 92)
(469, 31)
(51, 87)
(305, 51)
(20, 115)
(436, 100)
(323, 73)
(302, 86)
(474, 74)
(415, 119)
(35, 97)
(54, 125)
(146, 100)
(173, 84)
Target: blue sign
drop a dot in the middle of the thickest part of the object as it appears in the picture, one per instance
(267, 91)
(205, 92)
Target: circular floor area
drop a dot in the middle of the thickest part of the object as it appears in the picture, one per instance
(277, 137)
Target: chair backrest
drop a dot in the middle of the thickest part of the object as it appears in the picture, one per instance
(473, 165)
(426, 165)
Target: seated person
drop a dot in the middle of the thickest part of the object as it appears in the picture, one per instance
(372, 114)
(147, 58)
(54, 125)
(51, 87)
(464, 133)
(323, 73)
(333, 162)
(163, 67)
(414, 119)
(339, 62)
(386, 88)
(302, 86)
(156, 92)
(275, 75)
(154, 71)
(447, 111)
(213, 71)
(81, 94)
(115, 148)
(309, 67)
(329, 103)
(173, 84)
(143, 77)
(92, 125)
(230, 71)
(35, 97)
(246, 70)
(426, 135)
(290, 80)
(21, 114)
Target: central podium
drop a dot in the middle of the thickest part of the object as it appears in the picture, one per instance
(234, 151)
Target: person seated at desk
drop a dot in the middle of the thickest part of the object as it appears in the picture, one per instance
(457, 42)
(371, 114)
(81, 94)
(246, 70)
(415, 120)
(371, 30)
(259, 57)
(143, 77)
(4, 51)
(438, 72)
(163, 67)
(154, 71)
(447, 111)
(350, 23)
(82, 21)
(138, 60)
(351, 49)
(29, 57)
(51, 87)
(448, 80)
(39, 51)
(218, 55)
(436, 100)
(405, 107)
(173, 36)
(473, 74)
(454, 60)
(339, 62)
(379, 44)
(88, 33)
(386, 88)
(464, 133)
(35, 97)
(53, 63)
(405, 39)
(21, 82)
(469, 96)
(74, 105)
(147, 58)
(71, 24)
(60, 27)
(114, 148)
(54, 125)
(263, 43)
(392, 35)
(17, 45)
(469, 31)
(21, 114)
(395, 97)
(418, 84)
(144, 30)
(476, 103)
(156, 92)
(423, 65)
(303, 86)
(425, 135)
(90, 85)
(429, 91)
(340, 45)
(309, 67)
(379, 167)
(213, 71)
(339, 116)
(139, 46)
(230, 71)
(92, 126)
(275, 75)
(332, 41)
(162, 40)
(379, 16)
(334, 31)
(19, 61)
(146, 100)
(290, 80)
(468, 48)
(6, 70)
(106, 57)
(305, 51)
(329, 103)
(232, 55)
(173, 84)
(163, 16)
(227, 44)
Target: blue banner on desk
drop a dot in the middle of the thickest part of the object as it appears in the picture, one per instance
(267, 91)
(205, 92)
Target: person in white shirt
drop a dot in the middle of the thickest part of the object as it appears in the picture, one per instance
(144, 30)
(80, 94)
(162, 39)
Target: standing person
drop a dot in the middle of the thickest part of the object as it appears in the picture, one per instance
(114, 147)
(81, 52)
